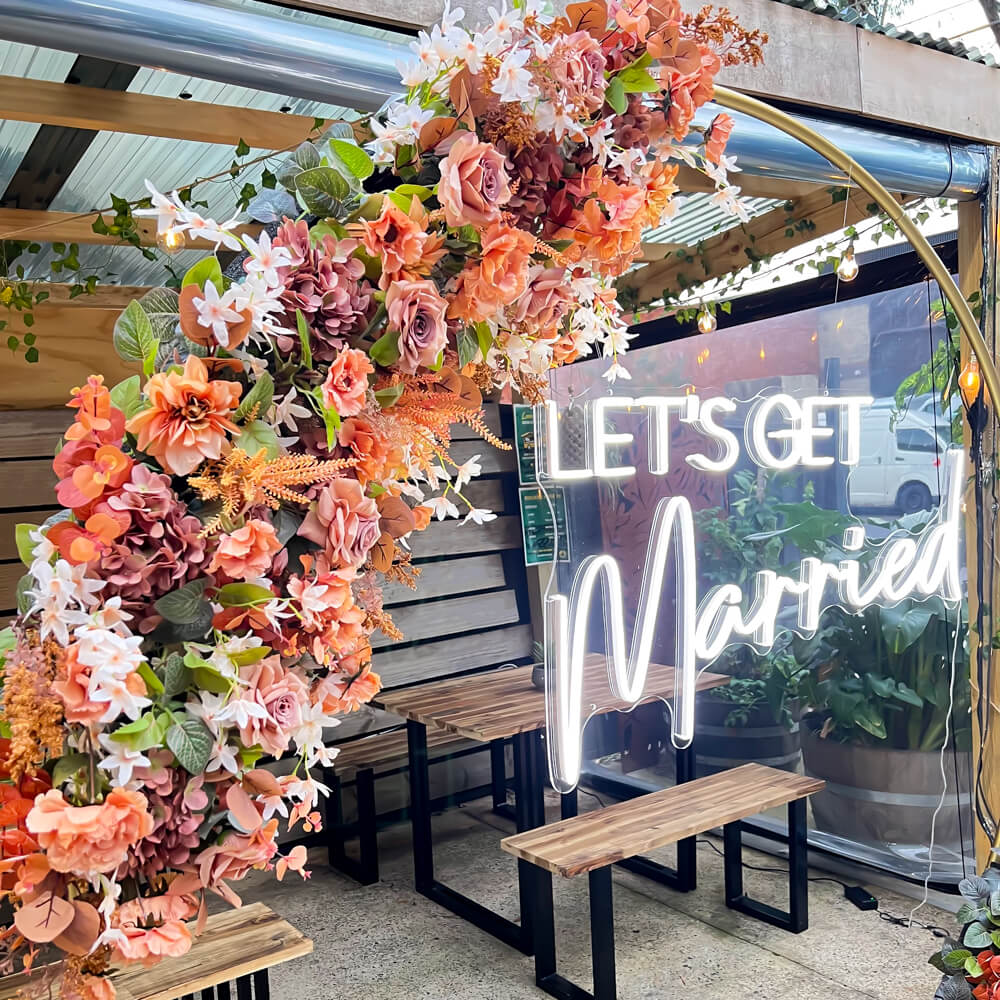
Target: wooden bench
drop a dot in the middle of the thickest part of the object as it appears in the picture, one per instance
(237, 946)
(595, 841)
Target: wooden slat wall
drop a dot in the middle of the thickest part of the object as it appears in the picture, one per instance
(468, 612)
(27, 443)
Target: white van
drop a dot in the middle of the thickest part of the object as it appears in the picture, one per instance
(901, 461)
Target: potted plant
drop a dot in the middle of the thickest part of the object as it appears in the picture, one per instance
(880, 714)
(970, 965)
(755, 716)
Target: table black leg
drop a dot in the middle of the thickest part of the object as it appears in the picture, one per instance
(498, 774)
(602, 933)
(798, 867)
(420, 807)
(568, 805)
(687, 849)
(261, 986)
(515, 935)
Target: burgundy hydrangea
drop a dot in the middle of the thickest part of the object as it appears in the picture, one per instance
(327, 285)
(536, 169)
(161, 549)
(177, 803)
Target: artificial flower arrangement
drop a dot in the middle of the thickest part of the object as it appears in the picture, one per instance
(970, 966)
(207, 596)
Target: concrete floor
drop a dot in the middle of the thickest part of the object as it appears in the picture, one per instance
(385, 941)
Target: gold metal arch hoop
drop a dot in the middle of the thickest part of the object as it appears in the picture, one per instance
(864, 180)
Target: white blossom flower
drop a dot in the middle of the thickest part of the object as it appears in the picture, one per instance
(727, 198)
(265, 259)
(216, 312)
(615, 372)
(719, 171)
(467, 471)
(239, 711)
(513, 82)
(223, 759)
(121, 762)
(120, 698)
(442, 507)
(166, 211)
(479, 515)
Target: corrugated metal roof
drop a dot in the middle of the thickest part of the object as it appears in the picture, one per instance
(927, 41)
(698, 218)
(120, 163)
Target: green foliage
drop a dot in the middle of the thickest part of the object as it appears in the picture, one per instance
(191, 742)
(134, 339)
(258, 435)
(752, 535)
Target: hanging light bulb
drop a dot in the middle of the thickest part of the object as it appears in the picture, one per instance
(706, 321)
(970, 382)
(847, 269)
(170, 240)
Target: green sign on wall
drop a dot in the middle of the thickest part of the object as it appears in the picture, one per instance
(524, 442)
(536, 525)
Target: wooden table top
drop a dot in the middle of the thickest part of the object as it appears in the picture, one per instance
(498, 704)
(234, 943)
(599, 838)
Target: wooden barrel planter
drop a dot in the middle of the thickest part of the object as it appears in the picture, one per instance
(876, 795)
(764, 739)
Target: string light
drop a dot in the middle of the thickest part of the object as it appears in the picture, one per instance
(170, 241)
(706, 321)
(970, 382)
(847, 269)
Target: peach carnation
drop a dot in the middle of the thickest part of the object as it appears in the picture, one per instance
(246, 553)
(171, 939)
(500, 277)
(347, 382)
(474, 183)
(400, 242)
(344, 522)
(89, 840)
(187, 419)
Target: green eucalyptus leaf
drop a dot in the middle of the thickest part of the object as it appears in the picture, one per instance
(22, 540)
(153, 683)
(184, 605)
(127, 396)
(468, 346)
(323, 190)
(388, 396)
(260, 395)
(976, 937)
(191, 742)
(242, 594)
(176, 677)
(615, 95)
(67, 766)
(133, 337)
(353, 157)
(304, 342)
(257, 435)
(385, 350)
(208, 269)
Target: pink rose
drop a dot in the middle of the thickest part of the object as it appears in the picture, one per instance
(281, 693)
(347, 382)
(474, 183)
(578, 65)
(344, 522)
(417, 311)
(544, 302)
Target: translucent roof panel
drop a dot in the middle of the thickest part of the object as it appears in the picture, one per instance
(30, 63)
(698, 218)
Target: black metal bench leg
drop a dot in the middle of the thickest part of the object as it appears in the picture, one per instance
(602, 933)
(498, 775)
(796, 919)
(244, 988)
(569, 805)
(261, 986)
(687, 849)
(420, 807)
(365, 870)
(544, 940)
(364, 786)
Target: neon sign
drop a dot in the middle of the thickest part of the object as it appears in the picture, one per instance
(918, 566)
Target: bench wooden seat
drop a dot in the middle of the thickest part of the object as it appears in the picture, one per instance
(382, 751)
(237, 946)
(593, 842)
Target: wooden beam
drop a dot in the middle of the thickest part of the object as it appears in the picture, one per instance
(761, 237)
(73, 106)
(71, 227)
(103, 297)
(73, 343)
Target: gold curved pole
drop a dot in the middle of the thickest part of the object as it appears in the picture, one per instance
(811, 138)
